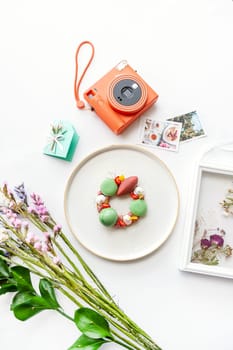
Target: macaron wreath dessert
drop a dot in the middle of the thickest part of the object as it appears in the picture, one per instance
(120, 186)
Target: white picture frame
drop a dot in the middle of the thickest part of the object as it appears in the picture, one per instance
(205, 214)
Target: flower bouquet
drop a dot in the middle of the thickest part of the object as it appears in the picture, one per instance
(31, 242)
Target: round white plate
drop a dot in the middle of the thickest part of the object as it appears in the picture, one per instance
(161, 196)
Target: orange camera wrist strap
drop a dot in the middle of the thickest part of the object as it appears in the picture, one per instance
(77, 82)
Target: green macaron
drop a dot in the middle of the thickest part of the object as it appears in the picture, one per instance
(138, 207)
(108, 217)
(108, 187)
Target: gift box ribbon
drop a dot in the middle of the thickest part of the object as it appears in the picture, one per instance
(56, 137)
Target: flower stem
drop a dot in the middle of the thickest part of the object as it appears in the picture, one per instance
(65, 315)
(112, 308)
(123, 344)
(85, 266)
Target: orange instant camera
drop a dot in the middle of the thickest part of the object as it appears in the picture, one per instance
(120, 97)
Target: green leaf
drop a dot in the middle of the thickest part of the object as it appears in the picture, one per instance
(91, 323)
(25, 311)
(4, 269)
(7, 287)
(22, 278)
(27, 304)
(21, 298)
(48, 293)
(87, 343)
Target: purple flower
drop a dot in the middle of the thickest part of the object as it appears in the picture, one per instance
(36, 199)
(57, 228)
(38, 246)
(44, 218)
(45, 248)
(30, 238)
(217, 240)
(20, 191)
(39, 208)
(17, 223)
(56, 260)
(205, 243)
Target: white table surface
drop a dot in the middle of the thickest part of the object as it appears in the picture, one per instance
(183, 49)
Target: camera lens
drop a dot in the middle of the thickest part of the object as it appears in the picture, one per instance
(127, 92)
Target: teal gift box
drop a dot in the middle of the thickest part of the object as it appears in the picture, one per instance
(62, 141)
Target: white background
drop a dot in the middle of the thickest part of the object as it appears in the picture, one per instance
(183, 49)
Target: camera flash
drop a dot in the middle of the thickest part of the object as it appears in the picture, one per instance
(134, 86)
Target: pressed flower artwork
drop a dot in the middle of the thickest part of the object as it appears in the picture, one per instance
(211, 248)
(207, 247)
(213, 233)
